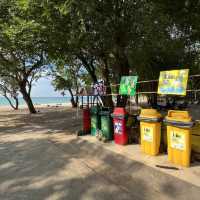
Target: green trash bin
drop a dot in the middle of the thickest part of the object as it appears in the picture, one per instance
(95, 120)
(106, 123)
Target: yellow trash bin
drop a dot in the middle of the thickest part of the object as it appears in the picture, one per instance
(150, 131)
(179, 137)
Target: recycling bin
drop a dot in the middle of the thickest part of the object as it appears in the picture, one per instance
(86, 120)
(95, 120)
(106, 123)
(150, 131)
(179, 124)
(119, 122)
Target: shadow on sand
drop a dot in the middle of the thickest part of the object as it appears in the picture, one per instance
(35, 165)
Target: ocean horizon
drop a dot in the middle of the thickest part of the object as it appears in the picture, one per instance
(38, 100)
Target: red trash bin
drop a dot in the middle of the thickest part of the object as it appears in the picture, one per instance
(119, 122)
(86, 120)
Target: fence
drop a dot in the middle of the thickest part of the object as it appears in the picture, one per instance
(193, 92)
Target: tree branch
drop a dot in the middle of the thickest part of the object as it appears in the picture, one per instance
(37, 65)
(7, 75)
(9, 101)
(4, 59)
(90, 68)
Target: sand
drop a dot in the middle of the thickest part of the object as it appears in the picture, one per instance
(41, 158)
(24, 107)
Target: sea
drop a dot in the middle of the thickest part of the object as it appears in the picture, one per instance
(38, 100)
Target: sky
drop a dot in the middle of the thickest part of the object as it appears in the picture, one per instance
(44, 88)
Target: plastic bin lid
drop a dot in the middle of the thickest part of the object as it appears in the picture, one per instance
(105, 111)
(119, 112)
(179, 116)
(150, 113)
(94, 109)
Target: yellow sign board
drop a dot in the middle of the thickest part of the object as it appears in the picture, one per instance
(173, 82)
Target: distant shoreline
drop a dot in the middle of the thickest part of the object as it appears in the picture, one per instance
(37, 106)
(38, 100)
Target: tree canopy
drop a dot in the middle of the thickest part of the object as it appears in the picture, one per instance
(108, 38)
(22, 54)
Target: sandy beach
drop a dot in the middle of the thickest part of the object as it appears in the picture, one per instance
(38, 106)
(41, 158)
(50, 117)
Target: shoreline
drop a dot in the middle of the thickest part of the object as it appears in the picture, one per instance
(46, 105)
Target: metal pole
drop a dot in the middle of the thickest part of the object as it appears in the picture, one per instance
(82, 101)
(88, 101)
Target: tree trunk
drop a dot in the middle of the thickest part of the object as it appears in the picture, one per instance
(28, 100)
(91, 70)
(154, 86)
(77, 92)
(108, 102)
(77, 100)
(122, 100)
(73, 102)
(16, 103)
(123, 66)
(15, 107)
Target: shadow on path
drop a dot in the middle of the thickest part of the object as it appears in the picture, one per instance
(42, 159)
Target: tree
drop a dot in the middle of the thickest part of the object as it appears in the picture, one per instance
(98, 33)
(106, 29)
(63, 84)
(10, 90)
(117, 37)
(170, 41)
(22, 56)
(69, 77)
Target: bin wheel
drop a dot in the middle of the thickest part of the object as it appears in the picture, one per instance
(104, 140)
(100, 135)
(80, 133)
(97, 134)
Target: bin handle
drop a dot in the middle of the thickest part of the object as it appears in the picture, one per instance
(149, 119)
(179, 123)
(170, 112)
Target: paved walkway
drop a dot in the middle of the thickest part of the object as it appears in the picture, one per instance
(39, 163)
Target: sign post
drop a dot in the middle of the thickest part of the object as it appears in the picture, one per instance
(173, 82)
(128, 85)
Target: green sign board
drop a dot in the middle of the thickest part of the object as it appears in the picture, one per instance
(128, 85)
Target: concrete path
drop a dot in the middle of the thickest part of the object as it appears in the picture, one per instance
(42, 163)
